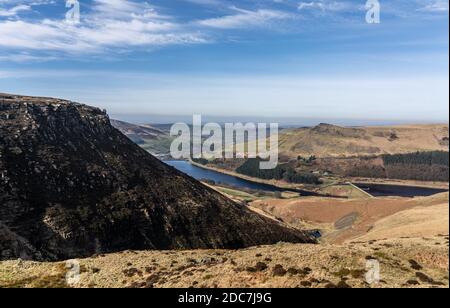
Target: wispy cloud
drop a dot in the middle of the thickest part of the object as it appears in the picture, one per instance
(245, 18)
(435, 6)
(115, 26)
(110, 23)
(26, 57)
(207, 2)
(333, 6)
(14, 11)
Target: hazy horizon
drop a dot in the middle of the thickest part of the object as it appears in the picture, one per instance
(282, 121)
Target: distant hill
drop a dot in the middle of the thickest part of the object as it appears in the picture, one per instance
(71, 185)
(155, 139)
(138, 133)
(327, 140)
(413, 152)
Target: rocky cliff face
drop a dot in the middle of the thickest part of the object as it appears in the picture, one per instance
(71, 186)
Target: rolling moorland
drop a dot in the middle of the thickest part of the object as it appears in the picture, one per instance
(332, 154)
(408, 152)
(327, 140)
(408, 236)
(414, 152)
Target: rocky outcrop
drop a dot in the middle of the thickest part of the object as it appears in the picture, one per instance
(338, 131)
(71, 186)
(13, 246)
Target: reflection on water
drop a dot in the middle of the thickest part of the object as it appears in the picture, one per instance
(379, 190)
(376, 190)
(219, 178)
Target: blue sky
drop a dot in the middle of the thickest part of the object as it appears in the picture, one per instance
(256, 58)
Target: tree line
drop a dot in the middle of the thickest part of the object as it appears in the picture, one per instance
(439, 158)
(251, 167)
(421, 166)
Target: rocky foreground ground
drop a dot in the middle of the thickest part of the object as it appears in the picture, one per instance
(406, 262)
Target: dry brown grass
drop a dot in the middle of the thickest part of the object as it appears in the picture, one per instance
(320, 211)
(341, 141)
(282, 265)
(416, 222)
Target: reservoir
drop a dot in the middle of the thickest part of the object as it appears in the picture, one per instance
(380, 190)
(375, 190)
(220, 178)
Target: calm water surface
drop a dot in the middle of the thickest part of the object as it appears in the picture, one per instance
(378, 190)
(374, 189)
(219, 178)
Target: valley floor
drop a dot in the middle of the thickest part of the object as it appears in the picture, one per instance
(375, 218)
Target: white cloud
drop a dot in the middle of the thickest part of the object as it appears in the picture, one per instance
(207, 2)
(310, 5)
(59, 36)
(109, 24)
(14, 11)
(436, 6)
(332, 6)
(25, 57)
(121, 25)
(245, 18)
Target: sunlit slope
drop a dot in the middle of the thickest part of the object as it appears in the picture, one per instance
(416, 222)
(327, 140)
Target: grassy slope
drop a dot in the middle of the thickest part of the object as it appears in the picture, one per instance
(339, 141)
(404, 262)
(417, 222)
(330, 213)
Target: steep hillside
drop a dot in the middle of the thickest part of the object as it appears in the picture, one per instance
(71, 185)
(327, 140)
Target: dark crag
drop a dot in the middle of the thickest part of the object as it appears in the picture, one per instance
(71, 186)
